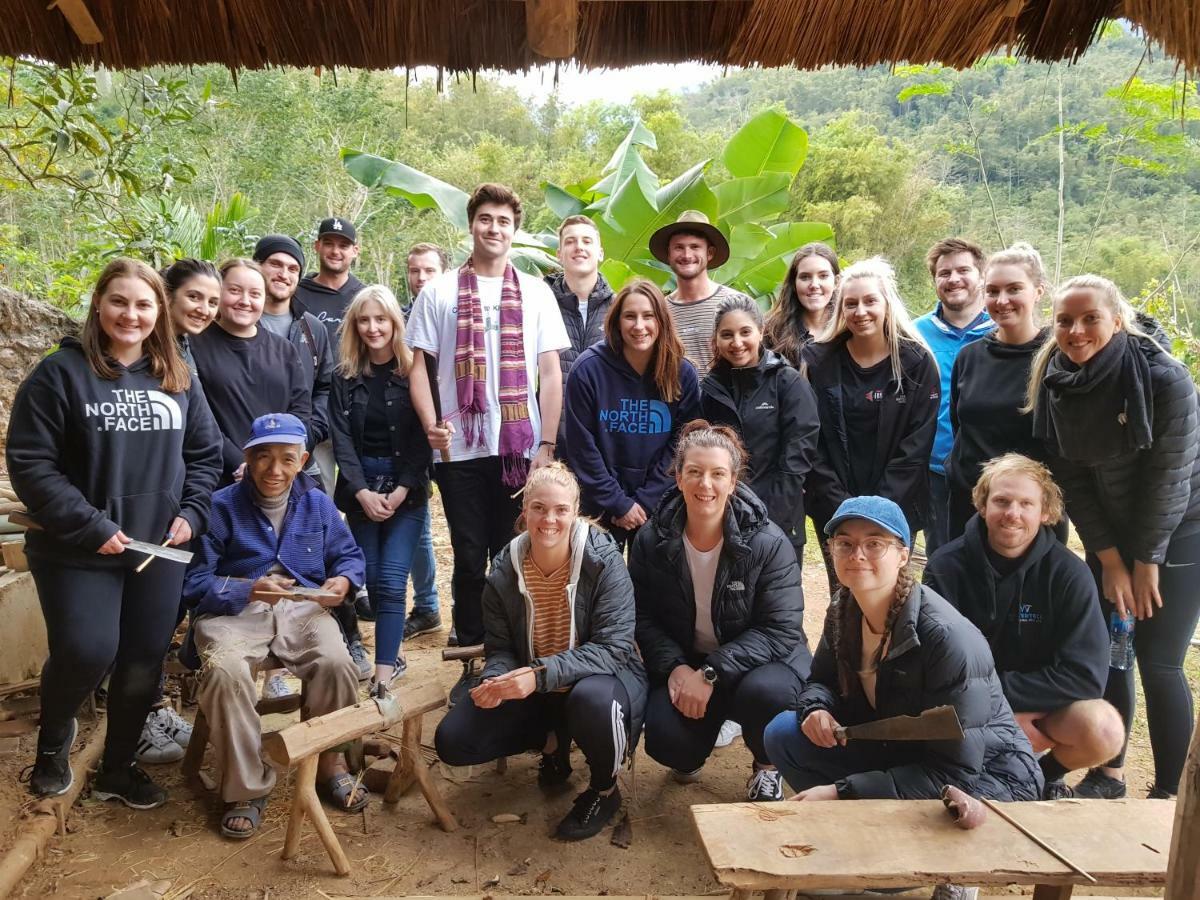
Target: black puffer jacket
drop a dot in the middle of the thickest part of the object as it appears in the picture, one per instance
(582, 333)
(1138, 501)
(602, 620)
(757, 601)
(903, 444)
(935, 657)
(774, 410)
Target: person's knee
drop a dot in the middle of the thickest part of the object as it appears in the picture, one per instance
(1088, 731)
(452, 740)
(225, 675)
(761, 695)
(671, 745)
(1105, 729)
(780, 737)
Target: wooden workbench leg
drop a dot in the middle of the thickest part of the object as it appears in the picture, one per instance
(1053, 891)
(405, 775)
(305, 802)
(433, 797)
(291, 843)
(775, 894)
(740, 894)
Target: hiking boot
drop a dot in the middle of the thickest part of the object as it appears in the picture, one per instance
(155, 747)
(50, 775)
(176, 726)
(764, 785)
(681, 777)
(554, 770)
(422, 623)
(591, 812)
(362, 606)
(1057, 790)
(1098, 786)
(730, 731)
(276, 687)
(130, 785)
(362, 662)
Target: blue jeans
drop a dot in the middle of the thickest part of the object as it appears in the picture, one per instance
(424, 572)
(388, 547)
(937, 525)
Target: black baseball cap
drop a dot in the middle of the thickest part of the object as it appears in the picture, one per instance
(341, 227)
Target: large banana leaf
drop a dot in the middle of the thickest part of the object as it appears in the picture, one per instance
(761, 276)
(561, 202)
(759, 198)
(770, 142)
(627, 161)
(632, 215)
(421, 190)
(746, 242)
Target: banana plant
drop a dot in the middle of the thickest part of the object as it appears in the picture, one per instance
(629, 202)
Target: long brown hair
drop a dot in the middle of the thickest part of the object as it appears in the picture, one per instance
(667, 358)
(784, 328)
(165, 362)
(845, 635)
(355, 357)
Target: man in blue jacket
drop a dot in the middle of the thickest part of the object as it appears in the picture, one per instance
(956, 266)
(1035, 602)
(268, 534)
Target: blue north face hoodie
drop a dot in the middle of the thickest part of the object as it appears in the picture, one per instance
(946, 341)
(621, 433)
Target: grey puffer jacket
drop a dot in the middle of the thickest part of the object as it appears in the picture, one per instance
(757, 600)
(935, 657)
(602, 620)
(1139, 501)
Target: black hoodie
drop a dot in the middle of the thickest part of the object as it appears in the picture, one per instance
(1043, 620)
(328, 305)
(89, 457)
(774, 410)
(757, 599)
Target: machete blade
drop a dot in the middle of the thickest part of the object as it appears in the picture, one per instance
(937, 724)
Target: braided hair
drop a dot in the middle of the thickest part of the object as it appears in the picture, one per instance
(845, 636)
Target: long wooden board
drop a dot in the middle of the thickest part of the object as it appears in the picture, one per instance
(893, 843)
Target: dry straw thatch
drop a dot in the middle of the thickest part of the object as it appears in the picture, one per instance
(469, 35)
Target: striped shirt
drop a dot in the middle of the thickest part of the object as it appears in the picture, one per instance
(695, 324)
(551, 611)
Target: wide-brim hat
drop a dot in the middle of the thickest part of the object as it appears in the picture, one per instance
(695, 222)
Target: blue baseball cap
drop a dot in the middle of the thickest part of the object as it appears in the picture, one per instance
(880, 510)
(276, 428)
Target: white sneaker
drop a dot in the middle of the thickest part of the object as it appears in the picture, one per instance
(155, 746)
(764, 785)
(729, 732)
(176, 726)
(276, 687)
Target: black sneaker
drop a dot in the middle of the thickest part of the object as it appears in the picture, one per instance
(554, 770)
(1098, 786)
(422, 623)
(466, 683)
(50, 775)
(130, 785)
(1057, 790)
(591, 812)
(1157, 793)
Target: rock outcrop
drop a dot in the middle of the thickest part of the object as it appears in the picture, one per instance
(28, 328)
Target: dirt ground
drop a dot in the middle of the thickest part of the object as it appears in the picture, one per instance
(401, 850)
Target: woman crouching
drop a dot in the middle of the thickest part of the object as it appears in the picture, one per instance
(561, 667)
(893, 647)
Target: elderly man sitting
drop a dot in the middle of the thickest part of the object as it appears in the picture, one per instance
(269, 533)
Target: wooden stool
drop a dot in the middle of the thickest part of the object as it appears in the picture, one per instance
(193, 758)
(301, 744)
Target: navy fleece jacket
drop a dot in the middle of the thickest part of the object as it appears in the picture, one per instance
(621, 433)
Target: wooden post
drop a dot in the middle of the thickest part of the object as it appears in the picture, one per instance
(1183, 866)
(305, 802)
(404, 775)
(79, 17)
(433, 797)
(551, 27)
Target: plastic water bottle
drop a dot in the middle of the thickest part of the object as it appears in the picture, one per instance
(1120, 632)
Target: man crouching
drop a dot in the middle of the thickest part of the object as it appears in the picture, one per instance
(269, 533)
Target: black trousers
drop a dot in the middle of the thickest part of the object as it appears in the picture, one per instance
(684, 744)
(482, 515)
(99, 617)
(594, 714)
(1161, 643)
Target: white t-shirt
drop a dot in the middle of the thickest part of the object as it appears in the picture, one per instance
(433, 328)
(703, 566)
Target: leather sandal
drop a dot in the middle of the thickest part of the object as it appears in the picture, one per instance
(338, 791)
(243, 809)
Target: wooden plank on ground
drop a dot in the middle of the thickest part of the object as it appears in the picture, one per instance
(855, 844)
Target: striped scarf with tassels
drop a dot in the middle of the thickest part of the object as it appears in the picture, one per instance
(470, 372)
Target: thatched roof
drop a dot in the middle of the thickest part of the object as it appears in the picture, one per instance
(468, 35)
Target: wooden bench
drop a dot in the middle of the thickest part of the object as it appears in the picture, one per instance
(852, 845)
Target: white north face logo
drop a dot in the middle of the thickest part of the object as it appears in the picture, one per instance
(136, 411)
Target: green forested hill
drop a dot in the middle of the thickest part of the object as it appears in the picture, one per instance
(147, 163)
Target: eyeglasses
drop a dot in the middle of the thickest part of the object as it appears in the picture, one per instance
(872, 548)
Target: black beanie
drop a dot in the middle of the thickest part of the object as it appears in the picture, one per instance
(278, 243)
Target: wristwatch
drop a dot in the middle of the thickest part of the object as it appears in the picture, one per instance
(710, 674)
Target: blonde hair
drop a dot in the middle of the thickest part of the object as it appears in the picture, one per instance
(1024, 255)
(897, 325)
(355, 357)
(1110, 296)
(1016, 464)
(553, 473)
